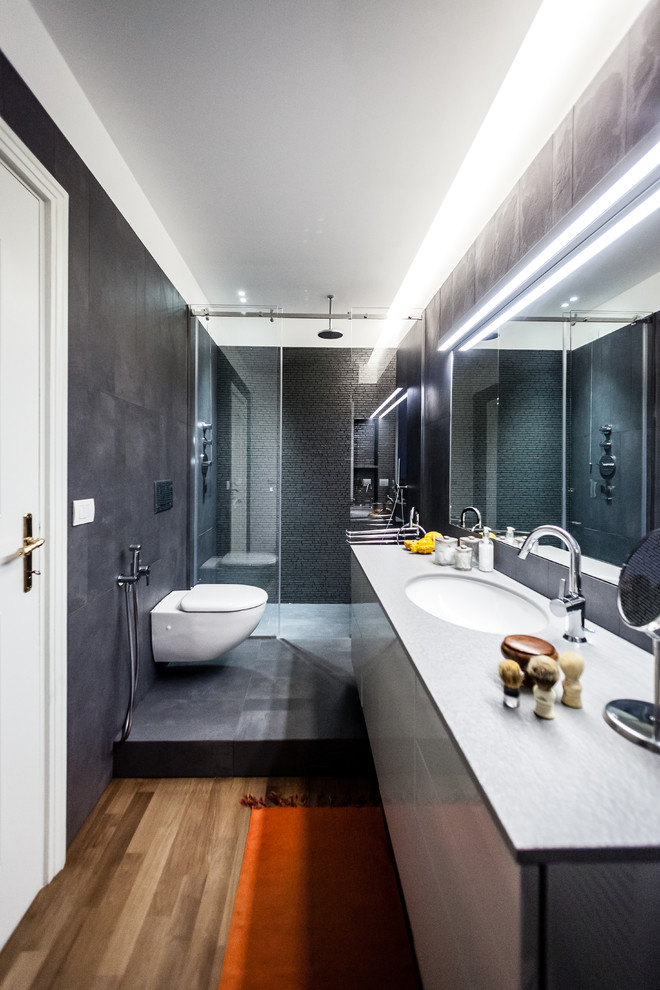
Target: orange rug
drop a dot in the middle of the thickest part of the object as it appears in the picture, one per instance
(318, 906)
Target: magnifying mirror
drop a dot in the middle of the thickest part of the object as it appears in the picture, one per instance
(639, 605)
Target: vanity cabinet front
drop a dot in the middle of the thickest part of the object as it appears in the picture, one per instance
(482, 916)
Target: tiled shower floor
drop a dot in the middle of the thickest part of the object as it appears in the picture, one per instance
(284, 707)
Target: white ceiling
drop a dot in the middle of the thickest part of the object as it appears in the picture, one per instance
(292, 148)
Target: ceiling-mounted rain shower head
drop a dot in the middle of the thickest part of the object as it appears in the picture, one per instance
(330, 334)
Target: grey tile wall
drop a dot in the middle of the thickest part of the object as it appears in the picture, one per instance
(127, 428)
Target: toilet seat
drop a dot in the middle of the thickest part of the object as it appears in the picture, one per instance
(222, 598)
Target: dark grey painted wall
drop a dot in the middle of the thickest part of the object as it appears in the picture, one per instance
(618, 108)
(127, 429)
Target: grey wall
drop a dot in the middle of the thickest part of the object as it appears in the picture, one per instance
(127, 429)
(619, 107)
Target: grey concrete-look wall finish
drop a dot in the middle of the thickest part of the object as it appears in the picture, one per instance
(127, 429)
(618, 108)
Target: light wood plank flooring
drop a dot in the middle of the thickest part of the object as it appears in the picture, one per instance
(146, 896)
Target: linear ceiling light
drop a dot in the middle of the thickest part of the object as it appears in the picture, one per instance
(650, 205)
(383, 404)
(394, 405)
(624, 184)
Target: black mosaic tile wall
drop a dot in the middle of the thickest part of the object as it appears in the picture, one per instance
(506, 456)
(127, 429)
(318, 385)
(529, 475)
(606, 385)
(474, 393)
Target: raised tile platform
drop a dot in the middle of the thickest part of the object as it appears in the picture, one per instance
(270, 707)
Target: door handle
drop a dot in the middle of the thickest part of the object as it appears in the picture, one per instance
(30, 543)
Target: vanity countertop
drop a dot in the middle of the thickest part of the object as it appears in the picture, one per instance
(567, 789)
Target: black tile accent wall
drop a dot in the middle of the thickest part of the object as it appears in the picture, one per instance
(619, 108)
(127, 428)
(529, 466)
(318, 385)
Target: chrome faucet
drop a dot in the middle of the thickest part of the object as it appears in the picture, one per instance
(138, 570)
(471, 508)
(571, 605)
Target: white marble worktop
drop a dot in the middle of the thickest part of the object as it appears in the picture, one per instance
(567, 789)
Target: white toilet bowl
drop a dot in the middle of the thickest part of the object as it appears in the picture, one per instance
(198, 625)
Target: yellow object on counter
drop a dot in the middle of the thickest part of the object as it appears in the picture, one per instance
(425, 545)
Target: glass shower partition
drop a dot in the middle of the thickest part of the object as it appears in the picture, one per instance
(236, 364)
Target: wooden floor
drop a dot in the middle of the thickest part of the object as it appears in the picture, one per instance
(146, 896)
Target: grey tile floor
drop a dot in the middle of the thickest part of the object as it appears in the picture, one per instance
(286, 706)
(305, 621)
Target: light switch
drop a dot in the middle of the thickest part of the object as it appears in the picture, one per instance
(83, 511)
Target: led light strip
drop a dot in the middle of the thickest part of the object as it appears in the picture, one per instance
(394, 405)
(640, 170)
(631, 220)
(383, 404)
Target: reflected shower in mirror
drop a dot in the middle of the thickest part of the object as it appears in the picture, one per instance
(550, 417)
(378, 489)
(549, 426)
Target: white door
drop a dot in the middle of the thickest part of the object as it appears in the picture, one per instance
(22, 688)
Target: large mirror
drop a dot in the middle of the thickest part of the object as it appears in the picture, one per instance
(550, 413)
(378, 489)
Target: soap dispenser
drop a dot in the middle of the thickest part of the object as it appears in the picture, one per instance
(486, 552)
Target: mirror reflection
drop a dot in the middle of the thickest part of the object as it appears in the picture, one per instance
(378, 487)
(549, 414)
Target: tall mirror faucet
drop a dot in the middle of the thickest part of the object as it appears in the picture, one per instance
(471, 508)
(570, 605)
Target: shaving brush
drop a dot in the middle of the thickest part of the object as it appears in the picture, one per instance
(512, 677)
(572, 666)
(544, 673)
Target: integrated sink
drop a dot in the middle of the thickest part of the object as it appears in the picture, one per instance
(475, 603)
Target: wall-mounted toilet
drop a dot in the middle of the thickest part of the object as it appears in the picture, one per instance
(199, 625)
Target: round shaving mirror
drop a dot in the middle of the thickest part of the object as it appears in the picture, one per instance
(639, 605)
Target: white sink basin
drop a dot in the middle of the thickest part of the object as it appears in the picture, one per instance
(474, 603)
